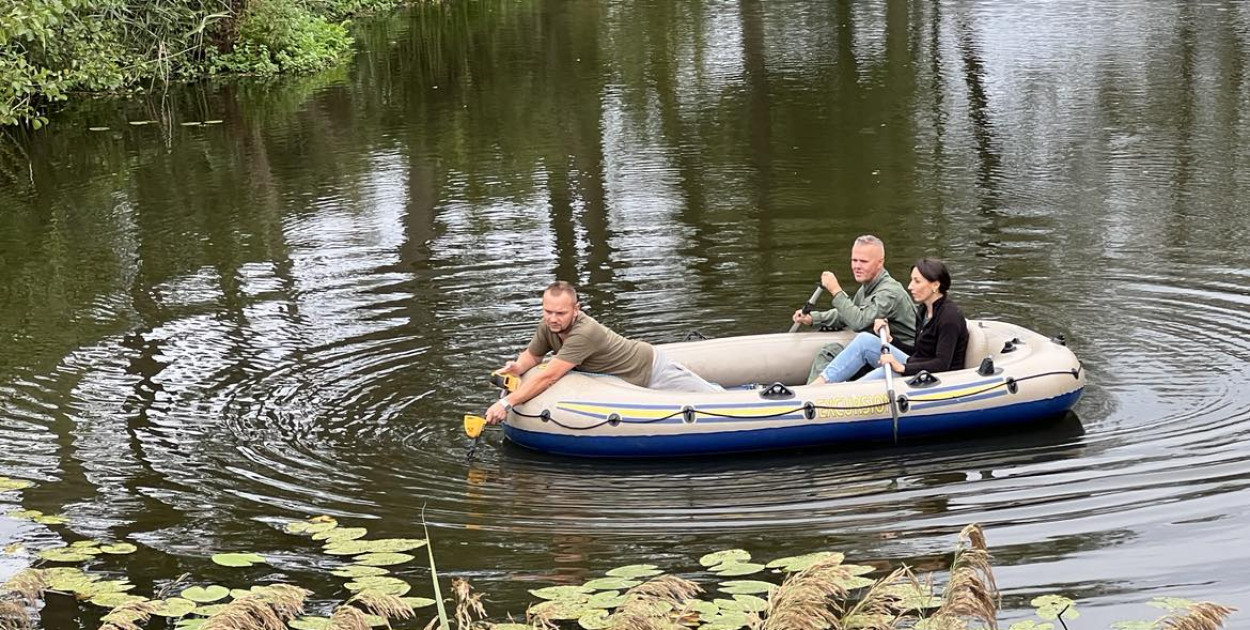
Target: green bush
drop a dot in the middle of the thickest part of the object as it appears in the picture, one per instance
(284, 36)
(50, 49)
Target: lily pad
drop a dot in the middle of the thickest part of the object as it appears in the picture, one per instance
(174, 607)
(341, 534)
(310, 623)
(93, 589)
(565, 610)
(593, 620)
(606, 599)
(12, 549)
(563, 593)
(313, 525)
(69, 582)
(382, 559)
(706, 609)
(1033, 624)
(727, 620)
(859, 569)
(382, 584)
(1170, 604)
(113, 600)
(728, 555)
(385, 545)
(611, 584)
(7, 484)
(357, 571)
(190, 624)
(798, 563)
(751, 603)
(205, 594)
(118, 548)
(635, 571)
(911, 596)
(746, 587)
(1053, 606)
(84, 544)
(55, 519)
(64, 554)
(417, 602)
(237, 559)
(730, 569)
(853, 582)
(24, 515)
(97, 128)
(208, 611)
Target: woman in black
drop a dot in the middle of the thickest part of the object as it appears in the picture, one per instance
(941, 333)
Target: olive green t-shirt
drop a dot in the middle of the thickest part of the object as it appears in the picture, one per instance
(593, 347)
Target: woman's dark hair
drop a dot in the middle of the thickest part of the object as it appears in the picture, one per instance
(934, 271)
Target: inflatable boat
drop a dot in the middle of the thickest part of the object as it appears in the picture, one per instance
(1012, 376)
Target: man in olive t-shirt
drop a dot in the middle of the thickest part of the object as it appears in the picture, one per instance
(582, 343)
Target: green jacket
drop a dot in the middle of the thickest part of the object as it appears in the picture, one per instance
(882, 296)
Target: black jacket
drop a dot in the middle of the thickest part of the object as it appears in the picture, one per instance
(940, 342)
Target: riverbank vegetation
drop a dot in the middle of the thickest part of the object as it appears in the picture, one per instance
(53, 50)
(819, 590)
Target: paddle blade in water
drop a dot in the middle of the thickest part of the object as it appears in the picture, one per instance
(473, 425)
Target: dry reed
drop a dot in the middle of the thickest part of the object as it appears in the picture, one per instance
(128, 616)
(808, 600)
(971, 592)
(879, 609)
(269, 609)
(27, 584)
(468, 604)
(648, 605)
(349, 618)
(1200, 616)
(13, 615)
(382, 604)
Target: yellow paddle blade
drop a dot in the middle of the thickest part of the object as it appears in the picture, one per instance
(473, 425)
(505, 381)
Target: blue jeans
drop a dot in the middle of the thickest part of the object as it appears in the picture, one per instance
(864, 350)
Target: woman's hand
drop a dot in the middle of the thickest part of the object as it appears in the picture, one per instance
(890, 362)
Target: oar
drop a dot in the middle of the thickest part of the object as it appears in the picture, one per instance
(811, 304)
(889, 382)
(473, 426)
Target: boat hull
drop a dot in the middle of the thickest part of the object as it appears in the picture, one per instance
(591, 415)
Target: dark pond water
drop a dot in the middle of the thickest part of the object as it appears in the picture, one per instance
(210, 330)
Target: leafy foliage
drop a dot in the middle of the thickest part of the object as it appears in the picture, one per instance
(53, 49)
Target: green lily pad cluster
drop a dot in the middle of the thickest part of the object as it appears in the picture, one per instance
(730, 563)
(369, 555)
(38, 517)
(237, 560)
(7, 484)
(83, 550)
(743, 604)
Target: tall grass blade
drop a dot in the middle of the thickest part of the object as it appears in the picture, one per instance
(443, 624)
